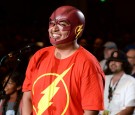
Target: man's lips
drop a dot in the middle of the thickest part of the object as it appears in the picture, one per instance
(55, 36)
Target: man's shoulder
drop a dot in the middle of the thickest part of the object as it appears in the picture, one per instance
(86, 54)
(42, 50)
(108, 77)
(129, 78)
(46, 48)
(103, 61)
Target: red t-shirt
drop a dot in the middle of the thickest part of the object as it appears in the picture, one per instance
(64, 86)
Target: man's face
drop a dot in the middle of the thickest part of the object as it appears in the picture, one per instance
(131, 57)
(115, 66)
(58, 30)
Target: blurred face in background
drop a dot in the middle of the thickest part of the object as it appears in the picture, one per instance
(11, 87)
(83, 42)
(98, 43)
(115, 66)
(131, 57)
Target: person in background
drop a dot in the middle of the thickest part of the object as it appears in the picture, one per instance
(109, 47)
(63, 79)
(84, 43)
(119, 95)
(131, 58)
(11, 102)
(97, 48)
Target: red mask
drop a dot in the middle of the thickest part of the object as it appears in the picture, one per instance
(76, 19)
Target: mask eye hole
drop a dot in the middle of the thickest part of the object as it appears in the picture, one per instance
(52, 23)
(63, 23)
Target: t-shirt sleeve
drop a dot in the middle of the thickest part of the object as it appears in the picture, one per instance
(92, 87)
(28, 78)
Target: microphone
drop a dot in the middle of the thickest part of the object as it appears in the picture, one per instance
(22, 50)
(16, 53)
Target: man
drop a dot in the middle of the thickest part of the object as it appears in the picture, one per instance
(131, 58)
(119, 95)
(63, 79)
(109, 47)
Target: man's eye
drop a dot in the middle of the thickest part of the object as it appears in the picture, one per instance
(51, 23)
(63, 24)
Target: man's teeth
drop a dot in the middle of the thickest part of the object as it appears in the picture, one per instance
(56, 35)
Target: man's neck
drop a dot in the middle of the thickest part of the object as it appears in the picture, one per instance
(117, 76)
(66, 50)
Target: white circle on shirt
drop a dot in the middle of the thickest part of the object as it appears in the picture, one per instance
(10, 112)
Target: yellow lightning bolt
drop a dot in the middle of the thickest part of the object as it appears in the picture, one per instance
(78, 30)
(49, 92)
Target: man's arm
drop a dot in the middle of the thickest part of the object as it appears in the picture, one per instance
(26, 103)
(90, 112)
(127, 111)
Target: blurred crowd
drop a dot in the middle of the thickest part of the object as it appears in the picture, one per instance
(13, 40)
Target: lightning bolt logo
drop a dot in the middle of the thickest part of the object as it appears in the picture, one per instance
(50, 92)
(78, 30)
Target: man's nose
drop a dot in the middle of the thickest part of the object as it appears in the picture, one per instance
(55, 27)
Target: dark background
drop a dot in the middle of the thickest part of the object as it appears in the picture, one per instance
(25, 21)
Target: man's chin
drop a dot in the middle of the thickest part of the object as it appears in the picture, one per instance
(55, 43)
